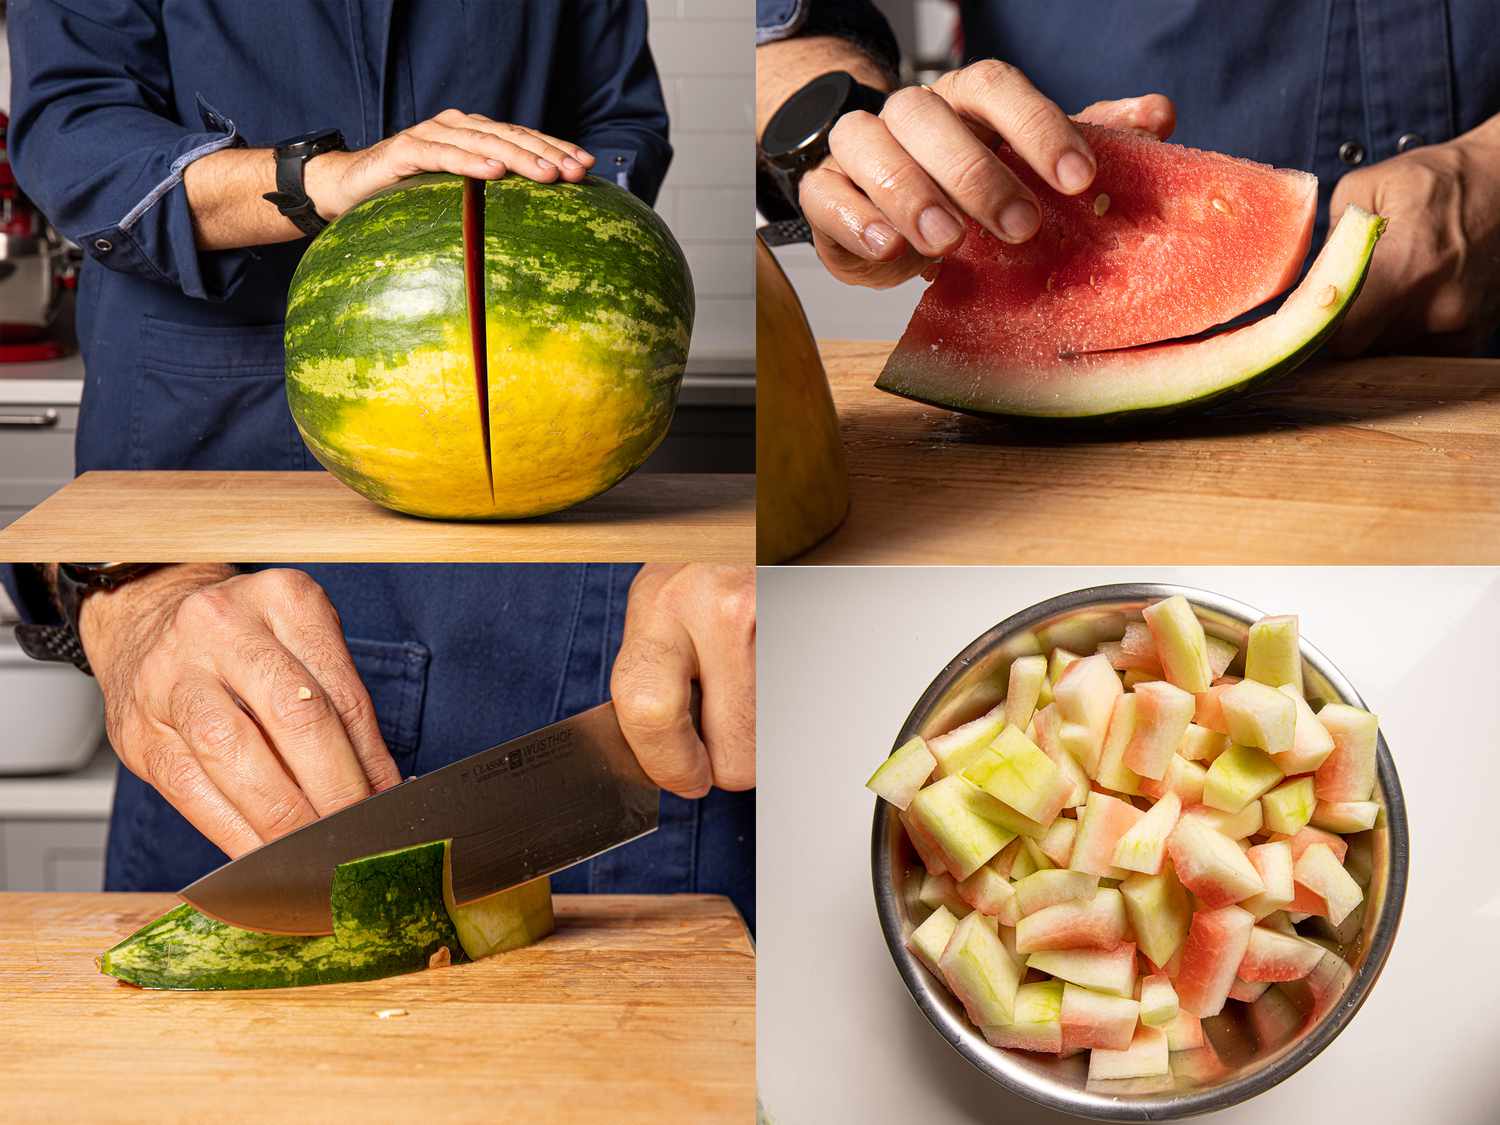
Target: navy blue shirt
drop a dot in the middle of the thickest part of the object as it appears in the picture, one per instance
(1286, 82)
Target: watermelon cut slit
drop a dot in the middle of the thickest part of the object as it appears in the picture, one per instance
(473, 228)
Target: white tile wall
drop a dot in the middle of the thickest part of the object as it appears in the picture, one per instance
(704, 50)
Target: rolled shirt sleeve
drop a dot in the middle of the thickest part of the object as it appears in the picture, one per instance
(609, 96)
(858, 21)
(95, 140)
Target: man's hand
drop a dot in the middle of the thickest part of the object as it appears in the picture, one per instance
(467, 144)
(225, 188)
(1434, 283)
(896, 189)
(686, 623)
(235, 697)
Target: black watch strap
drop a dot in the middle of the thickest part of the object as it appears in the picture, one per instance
(75, 582)
(290, 195)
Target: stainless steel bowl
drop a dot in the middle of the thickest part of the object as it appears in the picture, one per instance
(1256, 1045)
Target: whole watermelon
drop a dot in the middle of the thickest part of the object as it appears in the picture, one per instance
(587, 312)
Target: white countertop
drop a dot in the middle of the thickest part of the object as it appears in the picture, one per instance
(52, 382)
(844, 655)
(85, 794)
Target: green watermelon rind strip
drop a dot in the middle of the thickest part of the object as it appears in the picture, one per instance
(391, 913)
(1116, 386)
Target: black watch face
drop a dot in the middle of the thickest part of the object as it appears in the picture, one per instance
(321, 141)
(805, 118)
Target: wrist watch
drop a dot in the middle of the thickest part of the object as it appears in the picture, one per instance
(290, 196)
(75, 582)
(796, 141)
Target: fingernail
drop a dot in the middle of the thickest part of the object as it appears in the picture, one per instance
(878, 237)
(545, 165)
(938, 228)
(493, 163)
(586, 157)
(1074, 171)
(1019, 220)
(570, 164)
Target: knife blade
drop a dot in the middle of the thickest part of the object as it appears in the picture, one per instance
(515, 812)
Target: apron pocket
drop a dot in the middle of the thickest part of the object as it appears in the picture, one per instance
(395, 675)
(208, 397)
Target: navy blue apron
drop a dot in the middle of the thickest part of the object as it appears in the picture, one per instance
(183, 356)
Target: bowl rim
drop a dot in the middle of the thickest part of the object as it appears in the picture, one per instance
(1140, 1107)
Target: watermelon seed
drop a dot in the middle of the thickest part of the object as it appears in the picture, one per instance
(1101, 203)
(1326, 296)
(1220, 205)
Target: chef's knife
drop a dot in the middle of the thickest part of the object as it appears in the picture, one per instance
(515, 812)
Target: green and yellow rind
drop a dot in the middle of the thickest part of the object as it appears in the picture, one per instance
(388, 918)
(589, 309)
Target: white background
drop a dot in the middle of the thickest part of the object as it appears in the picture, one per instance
(846, 652)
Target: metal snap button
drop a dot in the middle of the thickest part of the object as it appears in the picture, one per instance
(103, 245)
(619, 161)
(1409, 140)
(1352, 153)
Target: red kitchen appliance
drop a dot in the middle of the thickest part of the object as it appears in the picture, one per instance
(36, 268)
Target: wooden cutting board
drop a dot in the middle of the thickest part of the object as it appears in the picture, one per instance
(311, 517)
(1392, 460)
(639, 1008)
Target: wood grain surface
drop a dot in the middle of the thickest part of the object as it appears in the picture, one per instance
(639, 1009)
(1392, 460)
(311, 517)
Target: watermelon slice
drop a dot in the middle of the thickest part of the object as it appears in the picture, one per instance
(1348, 774)
(941, 890)
(1273, 863)
(1289, 806)
(1105, 819)
(954, 355)
(963, 744)
(1273, 655)
(989, 892)
(1180, 643)
(1158, 1000)
(1185, 1032)
(1144, 846)
(1038, 1020)
(1085, 694)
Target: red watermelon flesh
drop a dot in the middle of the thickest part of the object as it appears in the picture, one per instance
(1136, 259)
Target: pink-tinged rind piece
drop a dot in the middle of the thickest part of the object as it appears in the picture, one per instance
(1211, 865)
(1145, 1057)
(1097, 1019)
(1103, 970)
(1348, 774)
(1105, 819)
(1259, 716)
(1093, 923)
(1273, 863)
(1144, 846)
(1311, 742)
(1162, 714)
(1211, 955)
(1180, 643)
(1085, 696)
(1272, 956)
(1319, 871)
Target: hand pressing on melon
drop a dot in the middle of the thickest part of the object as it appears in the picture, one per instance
(897, 189)
(235, 697)
(1434, 283)
(226, 189)
(687, 623)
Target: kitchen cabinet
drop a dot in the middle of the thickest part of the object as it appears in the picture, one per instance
(38, 418)
(52, 828)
